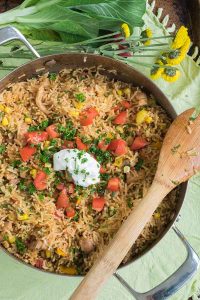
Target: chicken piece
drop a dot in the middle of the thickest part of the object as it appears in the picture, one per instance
(141, 98)
(86, 244)
(39, 97)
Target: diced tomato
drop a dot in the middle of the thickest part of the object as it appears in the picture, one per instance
(113, 184)
(118, 147)
(102, 145)
(36, 137)
(39, 263)
(98, 203)
(63, 199)
(80, 145)
(52, 132)
(102, 170)
(68, 145)
(87, 116)
(121, 118)
(27, 152)
(60, 186)
(139, 143)
(126, 104)
(40, 181)
(70, 212)
(71, 188)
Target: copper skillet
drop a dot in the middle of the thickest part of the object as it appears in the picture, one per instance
(55, 63)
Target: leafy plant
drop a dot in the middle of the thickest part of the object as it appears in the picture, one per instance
(73, 20)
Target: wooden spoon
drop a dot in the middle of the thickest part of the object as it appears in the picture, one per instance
(179, 160)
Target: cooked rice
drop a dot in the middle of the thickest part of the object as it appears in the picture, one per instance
(46, 230)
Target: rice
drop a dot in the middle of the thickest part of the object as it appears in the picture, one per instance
(47, 238)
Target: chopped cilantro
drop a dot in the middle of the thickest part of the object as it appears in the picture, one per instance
(42, 126)
(44, 156)
(68, 132)
(2, 149)
(21, 185)
(80, 154)
(21, 247)
(47, 171)
(139, 164)
(31, 188)
(83, 160)
(52, 76)
(101, 156)
(80, 97)
(76, 217)
(41, 197)
(16, 163)
(129, 203)
(53, 142)
(104, 176)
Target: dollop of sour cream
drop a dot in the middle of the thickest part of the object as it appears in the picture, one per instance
(84, 169)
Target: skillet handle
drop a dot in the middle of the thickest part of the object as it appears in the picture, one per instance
(172, 284)
(11, 33)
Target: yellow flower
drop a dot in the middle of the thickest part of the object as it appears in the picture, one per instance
(156, 72)
(126, 30)
(175, 57)
(184, 49)
(147, 33)
(180, 38)
(170, 74)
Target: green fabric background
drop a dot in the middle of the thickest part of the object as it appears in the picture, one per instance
(19, 282)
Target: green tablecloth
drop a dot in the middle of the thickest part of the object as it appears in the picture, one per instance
(18, 282)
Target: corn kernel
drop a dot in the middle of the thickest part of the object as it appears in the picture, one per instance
(119, 92)
(157, 216)
(126, 169)
(7, 110)
(118, 161)
(23, 217)
(141, 116)
(68, 270)
(11, 239)
(79, 200)
(127, 92)
(48, 253)
(110, 136)
(28, 120)
(60, 252)
(5, 121)
(120, 129)
(46, 144)
(2, 107)
(78, 105)
(73, 113)
(149, 120)
(11, 216)
(33, 172)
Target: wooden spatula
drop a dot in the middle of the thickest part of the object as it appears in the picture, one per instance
(179, 160)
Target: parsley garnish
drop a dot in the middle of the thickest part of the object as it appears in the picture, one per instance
(2, 149)
(47, 171)
(101, 156)
(21, 248)
(83, 160)
(21, 185)
(52, 76)
(80, 97)
(16, 163)
(31, 188)
(44, 156)
(68, 132)
(42, 126)
(41, 197)
(139, 164)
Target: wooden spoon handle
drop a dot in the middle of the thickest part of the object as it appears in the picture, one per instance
(106, 265)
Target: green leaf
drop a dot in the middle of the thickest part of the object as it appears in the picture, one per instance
(109, 14)
(28, 3)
